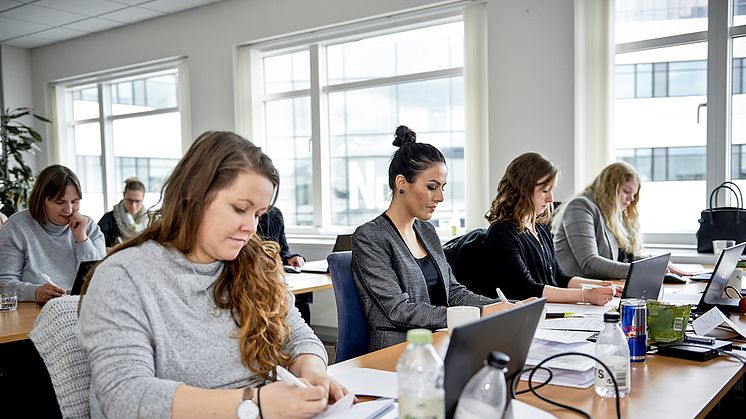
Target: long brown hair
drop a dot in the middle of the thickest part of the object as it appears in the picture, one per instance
(514, 199)
(604, 191)
(251, 285)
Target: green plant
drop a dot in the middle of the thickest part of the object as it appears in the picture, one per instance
(16, 177)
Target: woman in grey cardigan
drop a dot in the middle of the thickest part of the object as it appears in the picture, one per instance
(400, 271)
(597, 233)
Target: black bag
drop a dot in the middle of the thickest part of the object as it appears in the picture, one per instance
(722, 223)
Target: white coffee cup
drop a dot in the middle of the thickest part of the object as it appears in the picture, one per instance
(458, 315)
(719, 245)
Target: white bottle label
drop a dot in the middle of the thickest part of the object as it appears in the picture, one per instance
(430, 405)
(619, 365)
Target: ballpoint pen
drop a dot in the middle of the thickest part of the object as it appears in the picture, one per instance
(48, 280)
(288, 376)
(559, 315)
(500, 295)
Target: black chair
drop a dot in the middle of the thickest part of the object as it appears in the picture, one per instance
(352, 327)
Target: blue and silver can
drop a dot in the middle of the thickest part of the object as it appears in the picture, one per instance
(635, 326)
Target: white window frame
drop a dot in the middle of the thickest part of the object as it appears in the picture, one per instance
(719, 38)
(64, 127)
(250, 107)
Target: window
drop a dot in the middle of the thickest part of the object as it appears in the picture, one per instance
(118, 127)
(669, 123)
(326, 112)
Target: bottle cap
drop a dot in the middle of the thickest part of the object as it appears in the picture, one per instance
(498, 359)
(611, 317)
(419, 336)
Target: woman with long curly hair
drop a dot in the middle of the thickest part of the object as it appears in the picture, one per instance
(597, 233)
(191, 317)
(521, 242)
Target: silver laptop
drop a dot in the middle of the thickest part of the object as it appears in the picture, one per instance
(342, 244)
(712, 295)
(645, 277)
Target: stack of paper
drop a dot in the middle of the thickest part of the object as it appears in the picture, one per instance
(570, 371)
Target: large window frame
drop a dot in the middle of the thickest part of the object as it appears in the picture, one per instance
(250, 105)
(65, 153)
(719, 37)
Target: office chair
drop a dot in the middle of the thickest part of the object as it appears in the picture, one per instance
(352, 327)
(55, 335)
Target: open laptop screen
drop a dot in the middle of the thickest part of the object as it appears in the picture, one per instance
(510, 332)
(726, 264)
(645, 277)
(83, 269)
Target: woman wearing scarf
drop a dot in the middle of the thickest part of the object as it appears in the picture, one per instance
(128, 218)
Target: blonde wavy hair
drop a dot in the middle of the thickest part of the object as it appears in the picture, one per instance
(250, 286)
(515, 192)
(604, 191)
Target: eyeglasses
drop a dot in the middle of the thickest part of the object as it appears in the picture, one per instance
(133, 201)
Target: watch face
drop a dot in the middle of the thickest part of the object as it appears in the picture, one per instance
(247, 410)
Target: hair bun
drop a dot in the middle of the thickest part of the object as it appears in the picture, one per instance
(404, 135)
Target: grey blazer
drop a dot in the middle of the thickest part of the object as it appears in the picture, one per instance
(391, 286)
(584, 246)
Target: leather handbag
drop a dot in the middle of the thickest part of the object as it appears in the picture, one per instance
(722, 223)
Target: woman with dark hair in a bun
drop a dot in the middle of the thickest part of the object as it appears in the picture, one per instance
(401, 273)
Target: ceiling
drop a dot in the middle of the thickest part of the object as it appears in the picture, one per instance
(33, 23)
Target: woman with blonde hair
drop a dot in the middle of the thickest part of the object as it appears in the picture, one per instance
(192, 317)
(521, 242)
(597, 233)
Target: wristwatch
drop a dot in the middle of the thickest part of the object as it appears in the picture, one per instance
(247, 409)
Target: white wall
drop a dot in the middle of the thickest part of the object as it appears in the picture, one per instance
(15, 64)
(530, 55)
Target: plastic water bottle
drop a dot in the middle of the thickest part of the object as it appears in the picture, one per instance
(485, 394)
(612, 349)
(420, 373)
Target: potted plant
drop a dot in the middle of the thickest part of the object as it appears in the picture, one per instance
(16, 177)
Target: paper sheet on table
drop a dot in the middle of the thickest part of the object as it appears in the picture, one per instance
(369, 382)
(562, 336)
(344, 409)
(541, 350)
(692, 268)
(712, 319)
(592, 324)
(526, 411)
(584, 309)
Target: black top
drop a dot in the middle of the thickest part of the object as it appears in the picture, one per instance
(272, 227)
(109, 227)
(625, 257)
(522, 265)
(434, 282)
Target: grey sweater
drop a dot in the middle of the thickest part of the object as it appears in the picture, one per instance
(147, 326)
(28, 248)
(584, 246)
(392, 287)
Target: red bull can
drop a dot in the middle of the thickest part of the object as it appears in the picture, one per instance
(635, 327)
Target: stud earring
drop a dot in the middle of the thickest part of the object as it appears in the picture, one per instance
(401, 190)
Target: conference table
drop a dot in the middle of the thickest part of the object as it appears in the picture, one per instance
(16, 325)
(663, 387)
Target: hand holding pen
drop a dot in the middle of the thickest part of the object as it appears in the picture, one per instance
(48, 290)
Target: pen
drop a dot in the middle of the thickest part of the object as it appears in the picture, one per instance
(46, 278)
(589, 286)
(700, 339)
(288, 376)
(559, 315)
(500, 295)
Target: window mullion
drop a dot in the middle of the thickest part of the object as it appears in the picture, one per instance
(319, 141)
(718, 95)
(107, 143)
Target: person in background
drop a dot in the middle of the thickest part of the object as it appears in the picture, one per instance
(597, 233)
(272, 227)
(520, 240)
(51, 238)
(128, 218)
(400, 271)
(191, 317)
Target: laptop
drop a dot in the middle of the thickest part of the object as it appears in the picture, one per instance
(712, 295)
(645, 277)
(83, 270)
(510, 332)
(342, 244)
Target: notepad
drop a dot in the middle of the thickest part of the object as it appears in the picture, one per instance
(344, 409)
(369, 382)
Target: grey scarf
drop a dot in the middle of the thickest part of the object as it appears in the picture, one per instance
(130, 226)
